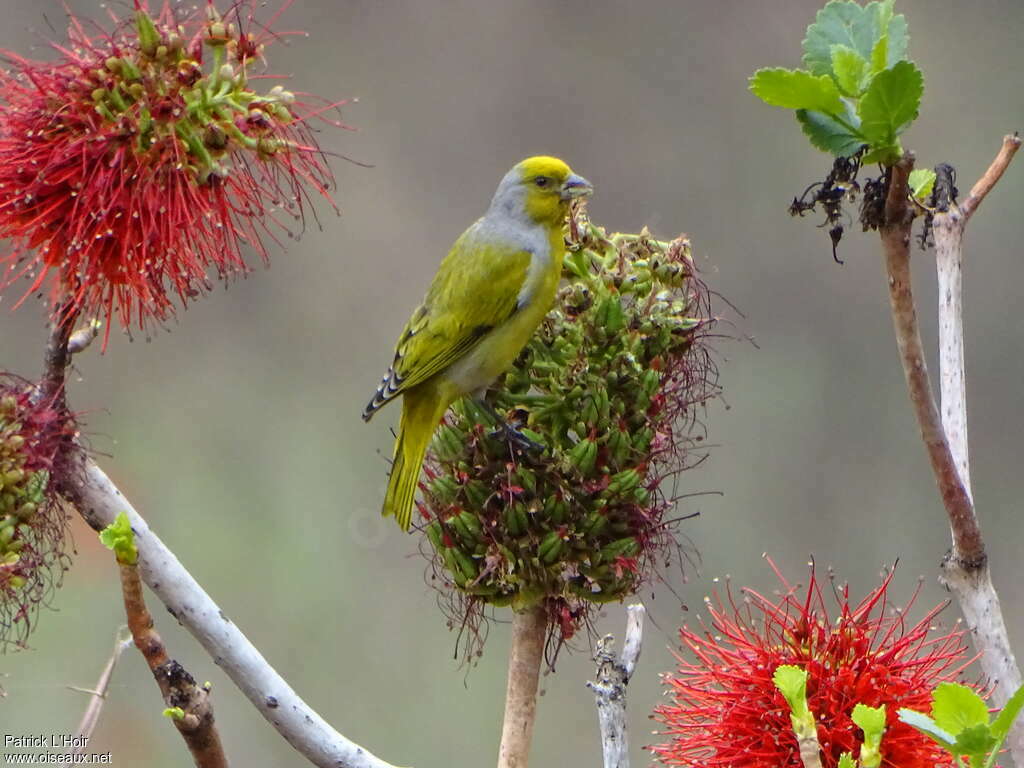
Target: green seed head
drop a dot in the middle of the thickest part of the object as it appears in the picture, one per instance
(607, 391)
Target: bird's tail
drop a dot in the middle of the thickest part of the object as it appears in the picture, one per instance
(421, 412)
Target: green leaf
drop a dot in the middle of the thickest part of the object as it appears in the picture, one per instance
(880, 54)
(1001, 725)
(871, 720)
(891, 45)
(849, 68)
(956, 707)
(890, 103)
(898, 39)
(175, 713)
(884, 10)
(975, 741)
(828, 134)
(846, 761)
(927, 726)
(891, 41)
(792, 684)
(880, 51)
(796, 89)
(922, 180)
(886, 154)
(840, 22)
(118, 536)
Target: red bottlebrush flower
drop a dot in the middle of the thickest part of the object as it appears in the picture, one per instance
(726, 711)
(33, 521)
(142, 158)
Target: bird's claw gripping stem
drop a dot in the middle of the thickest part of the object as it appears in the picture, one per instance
(515, 438)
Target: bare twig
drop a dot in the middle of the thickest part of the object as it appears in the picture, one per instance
(98, 695)
(529, 628)
(613, 674)
(970, 583)
(1011, 143)
(194, 720)
(99, 502)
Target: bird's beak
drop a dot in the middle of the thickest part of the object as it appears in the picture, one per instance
(576, 186)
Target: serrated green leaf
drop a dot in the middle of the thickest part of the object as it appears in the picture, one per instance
(975, 741)
(828, 134)
(890, 103)
(796, 89)
(884, 10)
(792, 684)
(880, 54)
(956, 707)
(927, 726)
(898, 39)
(840, 22)
(846, 761)
(891, 46)
(921, 181)
(849, 68)
(891, 40)
(1001, 725)
(880, 51)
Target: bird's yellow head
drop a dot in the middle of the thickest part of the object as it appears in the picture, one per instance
(539, 190)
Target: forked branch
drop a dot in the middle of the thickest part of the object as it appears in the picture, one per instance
(965, 569)
(613, 674)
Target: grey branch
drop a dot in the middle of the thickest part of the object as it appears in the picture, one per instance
(613, 674)
(99, 501)
(972, 586)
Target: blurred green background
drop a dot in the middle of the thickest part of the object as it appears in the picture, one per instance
(238, 434)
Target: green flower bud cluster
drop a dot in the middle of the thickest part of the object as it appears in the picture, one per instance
(608, 389)
(158, 93)
(32, 524)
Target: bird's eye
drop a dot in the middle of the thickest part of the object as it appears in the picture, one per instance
(542, 181)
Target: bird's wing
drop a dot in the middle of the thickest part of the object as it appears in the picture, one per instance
(476, 288)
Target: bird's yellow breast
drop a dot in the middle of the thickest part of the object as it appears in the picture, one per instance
(496, 351)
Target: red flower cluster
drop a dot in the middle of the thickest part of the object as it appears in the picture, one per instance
(726, 711)
(129, 166)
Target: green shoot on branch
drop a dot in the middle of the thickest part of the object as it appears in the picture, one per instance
(118, 537)
(792, 684)
(871, 720)
(922, 181)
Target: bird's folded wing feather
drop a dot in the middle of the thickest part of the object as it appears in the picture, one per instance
(477, 288)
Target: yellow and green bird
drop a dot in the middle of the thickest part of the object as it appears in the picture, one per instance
(488, 297)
